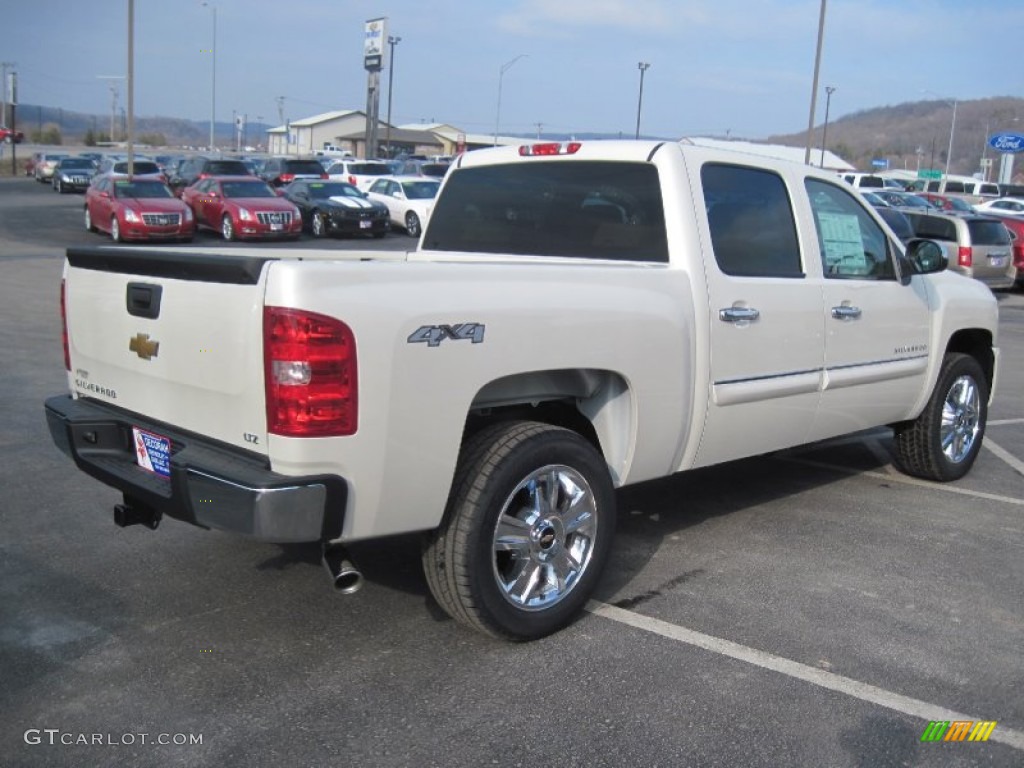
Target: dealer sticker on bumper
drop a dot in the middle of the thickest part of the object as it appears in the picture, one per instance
(152, 452)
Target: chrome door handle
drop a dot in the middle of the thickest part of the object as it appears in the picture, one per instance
(845, 313)
(738, 314)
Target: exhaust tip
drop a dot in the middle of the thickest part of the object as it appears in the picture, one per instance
(346, 578)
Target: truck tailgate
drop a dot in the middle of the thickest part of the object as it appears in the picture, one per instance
(173, 336)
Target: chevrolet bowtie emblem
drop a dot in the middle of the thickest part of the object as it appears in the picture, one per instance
(143, 347)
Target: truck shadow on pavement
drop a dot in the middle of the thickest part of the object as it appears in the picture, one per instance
(651, 512)
(648, 514)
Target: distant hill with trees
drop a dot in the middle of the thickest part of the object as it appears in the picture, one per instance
(916, 135)
(45, 124)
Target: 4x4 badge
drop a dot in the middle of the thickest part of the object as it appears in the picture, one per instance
(143, 347)
(433, 335)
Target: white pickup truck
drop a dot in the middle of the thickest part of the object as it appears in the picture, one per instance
(577, 317)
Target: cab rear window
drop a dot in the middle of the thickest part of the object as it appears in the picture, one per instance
(303, 166)
(227, 168)
(577, 209)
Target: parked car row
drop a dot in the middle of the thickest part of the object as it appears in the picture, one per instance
(983, 241)
(246, 207)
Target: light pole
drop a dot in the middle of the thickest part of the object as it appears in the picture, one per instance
(501, 75)
(829, 90)
(393, 40)
(643, 67)
(814, 83)
(213, 73)
(952, 128)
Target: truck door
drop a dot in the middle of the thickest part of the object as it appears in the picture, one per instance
(766, 349)
(877, 329)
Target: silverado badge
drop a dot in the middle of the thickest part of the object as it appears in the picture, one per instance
(143, 347)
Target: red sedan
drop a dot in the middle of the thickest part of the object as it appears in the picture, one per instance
(136, 209)
(1016, 226)
(242, 207)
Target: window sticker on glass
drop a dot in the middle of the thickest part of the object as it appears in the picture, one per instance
(844, 248)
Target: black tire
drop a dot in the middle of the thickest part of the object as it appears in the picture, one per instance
(943, 442)
(412, 224)
(464, 564)
(227, 228)
(56, 186)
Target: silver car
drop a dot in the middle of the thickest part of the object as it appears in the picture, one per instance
(976, 246)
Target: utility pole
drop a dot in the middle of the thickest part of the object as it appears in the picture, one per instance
(829, 90)
(540, 127)
(113, 100)
(14, 120)
(814, 85)
(392, 41)
(643, 67)
(130, 128)
(4, 66)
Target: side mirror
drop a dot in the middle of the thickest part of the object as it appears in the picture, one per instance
(926, 256)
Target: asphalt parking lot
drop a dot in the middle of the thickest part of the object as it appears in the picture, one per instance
(809, 608)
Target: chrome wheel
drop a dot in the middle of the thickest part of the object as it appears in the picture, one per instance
(961, 419)
(317, 224)
(412, 224)
(115, 229)
(227, 229)
(88, 221)
(544, 538)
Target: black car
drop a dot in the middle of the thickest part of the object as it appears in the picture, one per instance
(73, 174)
(279, 171)
(898, 223)
(334, 207)
(195, 168)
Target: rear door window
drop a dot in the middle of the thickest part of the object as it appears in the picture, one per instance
(753, 233)
(933, 227)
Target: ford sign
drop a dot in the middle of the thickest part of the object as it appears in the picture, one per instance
(1007, 142)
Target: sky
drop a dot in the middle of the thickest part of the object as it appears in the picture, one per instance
(742, 68)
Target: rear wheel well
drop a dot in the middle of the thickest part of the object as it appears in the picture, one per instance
(559, 413)
(594, 403)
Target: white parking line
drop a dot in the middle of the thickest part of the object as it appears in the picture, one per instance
(898, 478)
(845, 685)
(1004, 422)
(1003, 454)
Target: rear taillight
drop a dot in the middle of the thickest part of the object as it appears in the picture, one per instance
(64, 325)
(324, 175)
(352, 180)
(310, 374)
(287, 177)
(1018, 256)
(965, 256)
